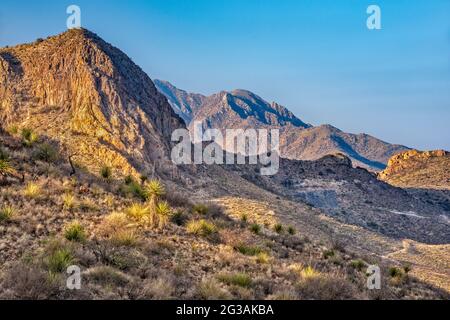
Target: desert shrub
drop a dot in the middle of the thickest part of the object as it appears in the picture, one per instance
(291, 230)
(59, 260)
(326, 287)
(309, 272)
(237, 279)
(244, 217)
(45, 152)
(28, 282)
(128, 180)
(29, 138)
(125, 238)
(200, 209)
(107, 276)
(5, 167)
(201, 228)
(32, 190)
(113, 223)
(68, 201)
(278, 228)
(357, 264)
(328, 254)
(3, 154)
(106, 172)
(395, 272)
(138, 212)
(161, 288)
(179, 218)
(135, 189)
(248, 250)
(74, 231)
(13, 130)
(177, 200)
(210, 290)
(262, 258)
(255, 228)
(407, 268)
(6, 213)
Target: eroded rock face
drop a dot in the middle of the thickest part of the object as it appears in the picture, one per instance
(88, 95)
(419, 169)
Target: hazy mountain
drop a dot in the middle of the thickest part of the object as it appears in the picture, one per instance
(83, 92)
(298, 140)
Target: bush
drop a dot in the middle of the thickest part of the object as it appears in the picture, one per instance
(164, 213)
(244, 217)
(106, 172)
(291, 230)
(395, 272)
(59, 260)
(325, 287)
(200, 209)
(125, 238)
(278, 228)
(358, 264)
(328, 254)
(248, 250)
(45, 152)
(135, 189)
(178, 217)
(6, 213)
(5, 167)
(237, 279)
(68, 201)
(75, 232)
(201, 228)
(263, 258)
(32, 190)
(255, 228)
(3, 155)
(138, 212)
(28, 137)
(309, 272)
(211, 290)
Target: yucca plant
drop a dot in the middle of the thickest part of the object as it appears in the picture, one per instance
(154, 190)
(6, 213)
(5, 167)
(32, 190)
(164, 212)
(28, 137)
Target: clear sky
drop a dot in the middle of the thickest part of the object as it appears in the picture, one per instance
(316, 57)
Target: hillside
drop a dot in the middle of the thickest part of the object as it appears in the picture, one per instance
(80, 91)
(298, 140)
(416, 169)
(86, 180)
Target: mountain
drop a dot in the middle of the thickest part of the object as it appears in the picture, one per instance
(80, 91)
(298, 140)
(416, 169)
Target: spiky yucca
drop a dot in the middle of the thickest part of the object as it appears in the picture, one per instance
(164, 212)
(154, 190)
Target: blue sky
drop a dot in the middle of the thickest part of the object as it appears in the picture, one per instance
(316, 57)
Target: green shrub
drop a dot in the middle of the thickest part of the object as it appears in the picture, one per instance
(255, 228)
(28, 137)
(6, 213)
(3, 155)
(75, 232)
(244, 217)
(358, 264)
(59, 260)
(200, 209)
(328, 254)
(45, 152)
(201, 228)
(395, 272)
(291, 230)
(278, 228)
(32, 190)
(248, 250)
(106, 172)
(178, 217)
(237, 279)
(5, 167)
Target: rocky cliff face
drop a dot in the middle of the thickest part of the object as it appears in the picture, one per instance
(298, 140)
(88, 95)
(416, 169)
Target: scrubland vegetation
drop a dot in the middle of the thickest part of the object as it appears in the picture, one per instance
(136, 238)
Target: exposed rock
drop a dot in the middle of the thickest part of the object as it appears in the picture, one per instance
(88, 95)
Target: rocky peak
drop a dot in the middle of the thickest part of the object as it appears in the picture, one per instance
(77, 85)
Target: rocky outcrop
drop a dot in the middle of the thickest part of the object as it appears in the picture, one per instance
(419, 169)
(88, 95)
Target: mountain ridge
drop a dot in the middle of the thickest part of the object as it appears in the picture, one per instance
(298, 140)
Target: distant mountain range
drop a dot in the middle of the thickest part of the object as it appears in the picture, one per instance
(298, 140)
